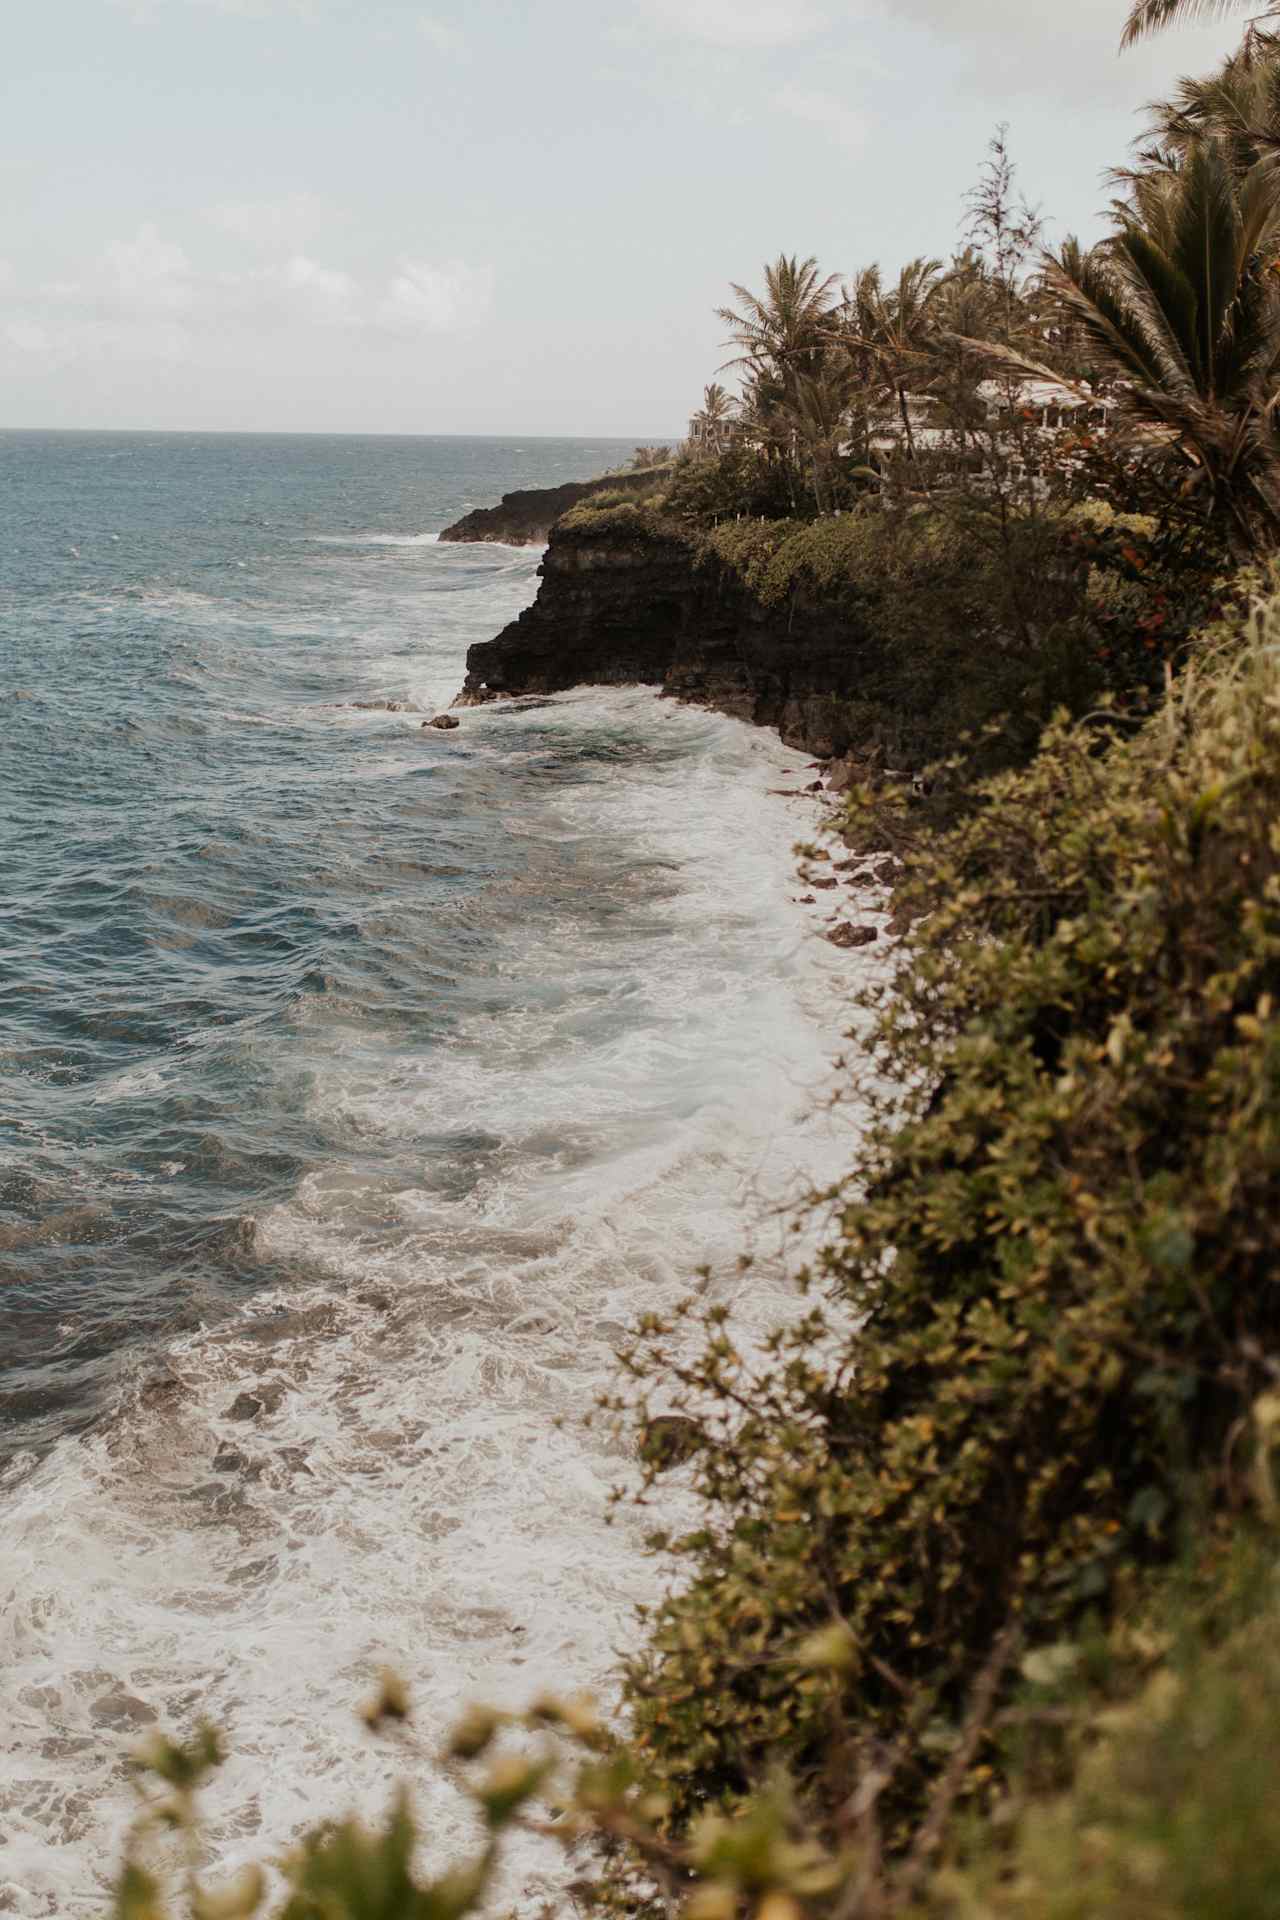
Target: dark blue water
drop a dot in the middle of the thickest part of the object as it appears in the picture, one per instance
(359, 1084)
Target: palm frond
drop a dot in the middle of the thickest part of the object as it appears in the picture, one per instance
(1150, 16)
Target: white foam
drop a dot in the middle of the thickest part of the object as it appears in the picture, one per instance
(376, 539)
(416, 1486)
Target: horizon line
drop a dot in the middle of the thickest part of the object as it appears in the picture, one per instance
(350, 433)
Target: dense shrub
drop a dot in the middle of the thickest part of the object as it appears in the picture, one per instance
(1049, 1291)
(741, 482)
(965, 646)
(1168, 1802)
(607, 515)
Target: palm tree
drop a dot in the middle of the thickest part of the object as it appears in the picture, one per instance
(784, 331)
(1182, 308)
(1240, 103)
(1149, 16)
(896, 329)
(783, 336)
(711, 427)
(817, 412)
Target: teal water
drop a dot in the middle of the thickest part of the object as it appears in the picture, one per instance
(195, 837)
(359, 1084)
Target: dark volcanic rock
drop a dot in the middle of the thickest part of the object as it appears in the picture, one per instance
(120, 1710)
(525, 518)
(445, 721)
(639, 604)
(849, 936)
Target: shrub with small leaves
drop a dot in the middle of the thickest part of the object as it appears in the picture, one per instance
(1051, 1285)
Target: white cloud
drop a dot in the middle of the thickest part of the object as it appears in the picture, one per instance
(150, 272)
(437, 299)
(738, 23)
(1009, 47)
(442, 35)
(836, 118)
(29, 340)
(284, 221)
(144, 298)
(325, 294)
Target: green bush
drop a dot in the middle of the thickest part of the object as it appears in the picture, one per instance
(1049, 1289)
(1170, 1808)
(740, 482)
(604, 515)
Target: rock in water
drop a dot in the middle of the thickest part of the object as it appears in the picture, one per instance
(846, 935)
(445, 721)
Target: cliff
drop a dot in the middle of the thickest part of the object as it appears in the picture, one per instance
(640, 602)
(525, 518)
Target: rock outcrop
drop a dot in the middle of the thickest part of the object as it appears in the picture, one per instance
(525, 518)
(628, 597)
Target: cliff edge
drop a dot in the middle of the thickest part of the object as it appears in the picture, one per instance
(525, 518)
(899, 644)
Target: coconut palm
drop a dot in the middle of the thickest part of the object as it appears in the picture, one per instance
(711, 427)
(816, 413)
(1182, 308)
(1240, 103)
(785, 330)
(783, 336)
(1149, 16)
(895, 328)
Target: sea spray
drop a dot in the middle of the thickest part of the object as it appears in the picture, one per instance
(502, 1037)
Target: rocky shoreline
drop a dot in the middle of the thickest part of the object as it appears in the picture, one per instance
(626, 599)
(639, 604)
(525, 517)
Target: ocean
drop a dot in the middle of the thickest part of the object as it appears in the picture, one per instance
(359, 1085)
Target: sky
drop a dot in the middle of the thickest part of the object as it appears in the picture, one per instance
(378, 216)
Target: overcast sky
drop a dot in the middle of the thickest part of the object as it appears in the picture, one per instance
(492, 217)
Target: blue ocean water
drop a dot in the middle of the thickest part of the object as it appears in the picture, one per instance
(359, 1083)
(190, 844)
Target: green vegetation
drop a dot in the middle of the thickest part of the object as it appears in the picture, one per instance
(1044, 1284)
(980, 1617)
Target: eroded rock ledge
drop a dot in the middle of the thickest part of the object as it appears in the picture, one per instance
(525, 518)
(644, 604)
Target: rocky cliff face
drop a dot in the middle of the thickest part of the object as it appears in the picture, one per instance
(525, 518)
(621, 605)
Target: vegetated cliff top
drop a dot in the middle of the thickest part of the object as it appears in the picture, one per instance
(525, 517)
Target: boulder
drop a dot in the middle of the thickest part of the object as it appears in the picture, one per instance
(121, 1710)
(843, 776)
(846, 935)
(446, 722)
